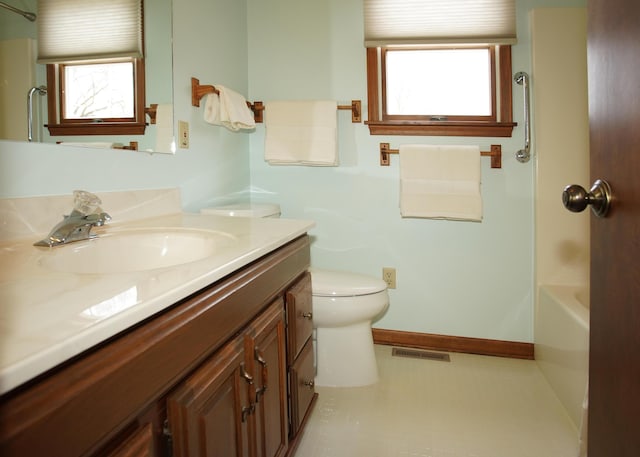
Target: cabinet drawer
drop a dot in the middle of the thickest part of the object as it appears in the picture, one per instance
(299, 316)
(302, 375)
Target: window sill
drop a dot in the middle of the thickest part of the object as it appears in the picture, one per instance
(99, 128)
(440, 128)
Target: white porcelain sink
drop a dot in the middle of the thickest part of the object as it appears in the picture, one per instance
(135, 250)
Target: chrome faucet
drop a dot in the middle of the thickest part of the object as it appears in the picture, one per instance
(77, 225)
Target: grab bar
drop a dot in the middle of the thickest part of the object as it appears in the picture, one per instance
(523, 155)
(42, 90)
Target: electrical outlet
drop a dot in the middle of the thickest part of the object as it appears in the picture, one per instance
(183, 134)
(389, 276)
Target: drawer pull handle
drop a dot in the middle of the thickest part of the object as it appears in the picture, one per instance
(307, 315)
(265, 373)
(309, 384)
(243, 372)
(248, 410)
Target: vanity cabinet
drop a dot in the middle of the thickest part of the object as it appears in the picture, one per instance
(210, 373)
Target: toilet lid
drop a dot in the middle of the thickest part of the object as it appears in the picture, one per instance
(245, 210)
(328, 283)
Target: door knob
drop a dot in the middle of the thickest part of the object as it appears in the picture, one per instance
(575, 198)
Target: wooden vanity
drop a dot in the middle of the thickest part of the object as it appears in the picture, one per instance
(227, 371)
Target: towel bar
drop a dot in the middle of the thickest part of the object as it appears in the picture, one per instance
(495, 154)
(199, 90)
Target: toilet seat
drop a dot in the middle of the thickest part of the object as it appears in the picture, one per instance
(328, 283)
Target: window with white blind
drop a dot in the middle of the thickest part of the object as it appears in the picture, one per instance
(439, 67)
(94, 55)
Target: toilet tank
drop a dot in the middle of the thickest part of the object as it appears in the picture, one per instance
(245, 210)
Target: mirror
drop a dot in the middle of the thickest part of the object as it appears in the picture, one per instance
(20, 74)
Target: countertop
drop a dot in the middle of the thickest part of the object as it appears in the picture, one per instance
(48, 317)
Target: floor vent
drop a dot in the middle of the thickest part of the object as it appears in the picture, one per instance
(416, 354)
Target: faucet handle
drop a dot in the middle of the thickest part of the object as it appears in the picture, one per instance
(85, 202)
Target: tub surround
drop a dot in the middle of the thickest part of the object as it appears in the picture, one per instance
(48, 317)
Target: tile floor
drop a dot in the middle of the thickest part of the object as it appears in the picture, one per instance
(473, 406)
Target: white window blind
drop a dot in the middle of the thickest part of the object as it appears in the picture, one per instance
(448, 22)
(74, 30)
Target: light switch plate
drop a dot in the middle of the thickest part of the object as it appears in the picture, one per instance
(183, 134)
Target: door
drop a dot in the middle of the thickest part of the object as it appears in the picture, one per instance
(613, 45)
(208, 412)
(267, 347)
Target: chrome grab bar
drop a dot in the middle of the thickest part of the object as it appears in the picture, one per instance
(42, 90)
(523, 155)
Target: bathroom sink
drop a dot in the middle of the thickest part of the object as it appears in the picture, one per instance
(135, 250)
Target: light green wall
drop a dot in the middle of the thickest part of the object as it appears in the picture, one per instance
(453, 278)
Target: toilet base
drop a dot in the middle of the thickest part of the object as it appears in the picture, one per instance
(345, 356)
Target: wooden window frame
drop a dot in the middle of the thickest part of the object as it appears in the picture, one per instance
(113, 126)
(498, 125)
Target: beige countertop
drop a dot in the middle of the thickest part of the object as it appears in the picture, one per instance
(48, 316)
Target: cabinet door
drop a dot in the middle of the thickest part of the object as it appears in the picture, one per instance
(140, 444)
(209, 411)
(302, 374)
(268, 351)
(299, 316)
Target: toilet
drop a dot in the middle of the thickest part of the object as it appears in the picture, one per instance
(344, 305)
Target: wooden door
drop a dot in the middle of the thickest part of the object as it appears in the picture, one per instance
(208, 412)
(614, 116)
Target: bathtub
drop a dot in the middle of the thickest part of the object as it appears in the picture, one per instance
(561, 343)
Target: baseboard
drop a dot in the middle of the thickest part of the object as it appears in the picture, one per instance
(512, 349)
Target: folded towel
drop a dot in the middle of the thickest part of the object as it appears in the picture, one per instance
(440, 182)
(229, 109)
(301, 133)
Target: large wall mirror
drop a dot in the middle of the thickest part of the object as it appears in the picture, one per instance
(19, 74)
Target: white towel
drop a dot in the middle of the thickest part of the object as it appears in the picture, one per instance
(301, 133)
(164, 129)
(440, 182)
(228, 109)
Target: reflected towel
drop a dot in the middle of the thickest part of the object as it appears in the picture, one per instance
(164, 129)
(301, 133)
(229, 109)
(440, 182)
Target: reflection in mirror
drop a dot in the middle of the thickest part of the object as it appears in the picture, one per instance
(21, 73)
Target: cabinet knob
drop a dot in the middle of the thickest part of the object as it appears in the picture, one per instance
(309, 384)
(307, 315)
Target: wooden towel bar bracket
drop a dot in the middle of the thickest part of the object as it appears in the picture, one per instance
(198, 91)
(356, 110)
(495, 154)
(133, 146)
(152, 111)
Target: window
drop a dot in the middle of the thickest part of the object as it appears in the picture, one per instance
(439, 67)
(461, 91)
(95, 67)
(104, 97)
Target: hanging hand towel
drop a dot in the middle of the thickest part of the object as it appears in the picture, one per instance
(440, 182)
(229, 109)
(301, 133)
(164, 129)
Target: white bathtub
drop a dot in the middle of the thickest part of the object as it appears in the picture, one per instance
(561, 338)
